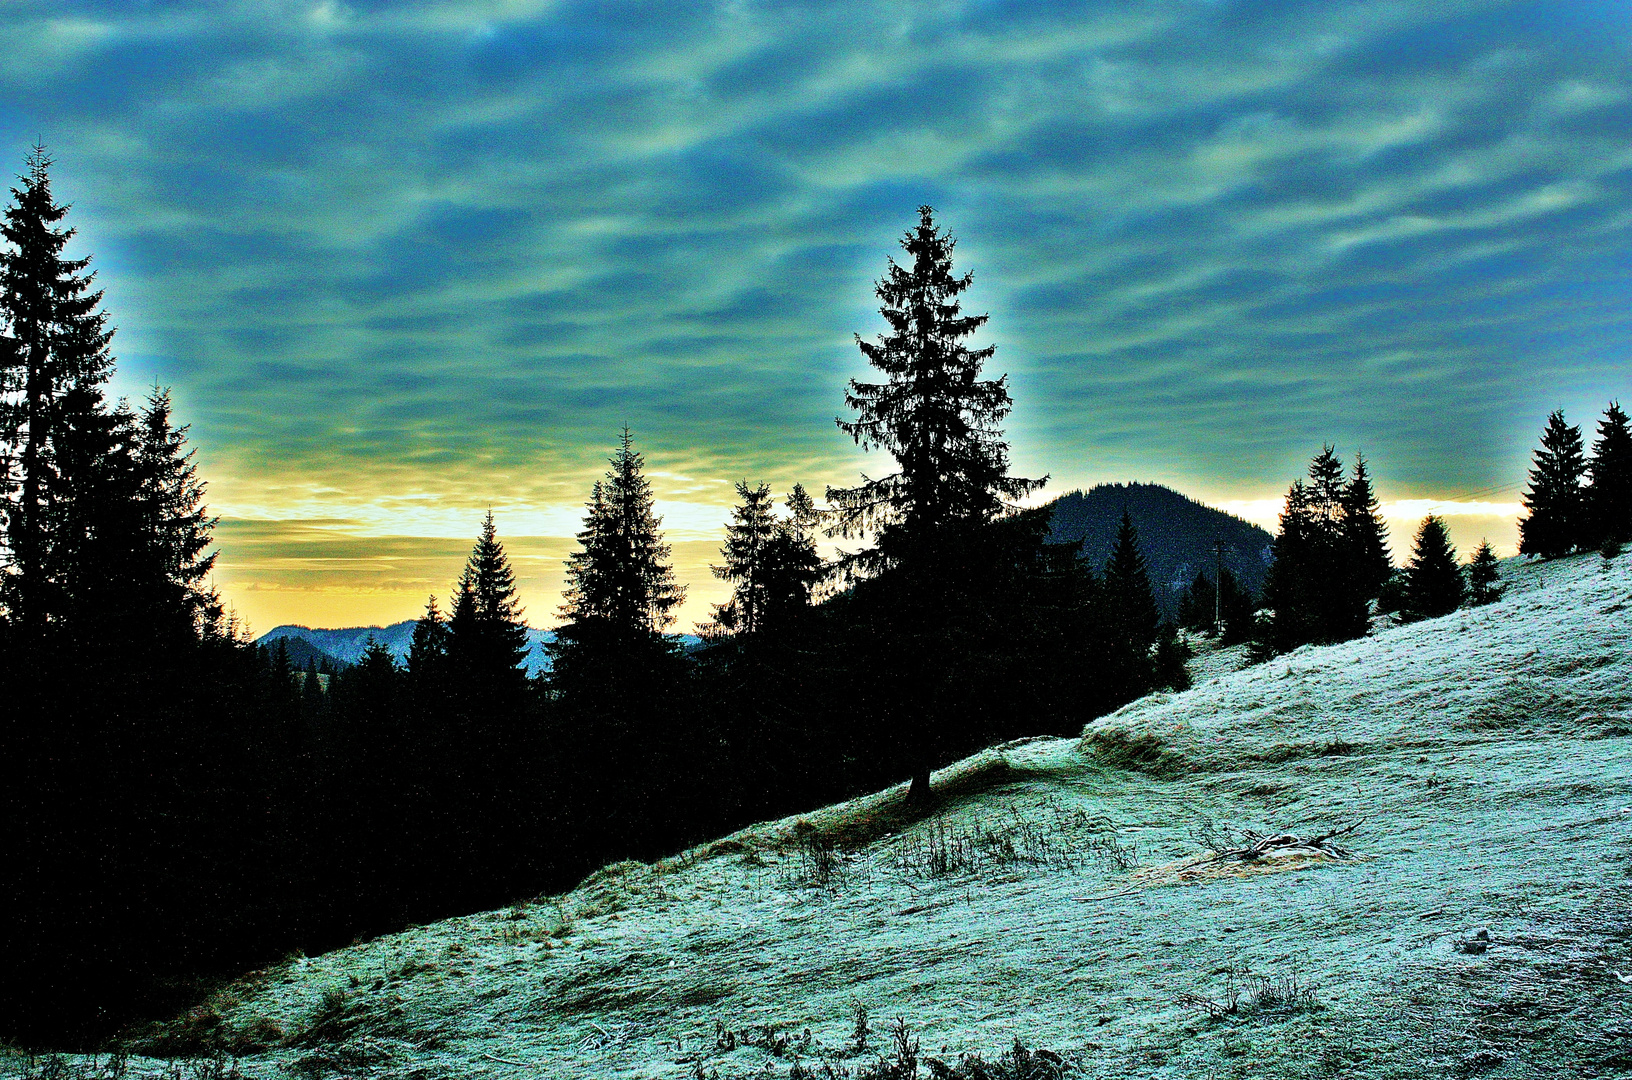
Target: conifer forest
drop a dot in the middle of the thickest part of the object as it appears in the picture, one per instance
(181, 805)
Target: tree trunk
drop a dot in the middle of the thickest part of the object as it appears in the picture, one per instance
(919, 796)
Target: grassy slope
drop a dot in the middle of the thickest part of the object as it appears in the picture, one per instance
(1487, 752)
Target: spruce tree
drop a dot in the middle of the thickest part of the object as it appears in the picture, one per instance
(1130, 614)
(618, 683)
(487, 638)
(1316, 587)
(934, 413)
(1484, 578)
(1555, 525)
(54, 341)
(1433, 581)
(1198, 603)
(942, 423)
(620, 583)
(1236, 607)
(174, 517)
(1365, 532)
(1609, 491)
(428, 649)
(772, 561)
(793, 567)
(748, 540)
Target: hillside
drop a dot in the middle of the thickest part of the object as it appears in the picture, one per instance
(1055, 898)
(301, 652)
(1176, 535)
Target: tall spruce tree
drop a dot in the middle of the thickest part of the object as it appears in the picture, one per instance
(487, 637)
(748, 539)
(1484, 577)
(620, 581)
(1556, 523)
(942, 423)
(934, 413)
(618, 683)
(174, 517)
(55, 342)
(1130, 614)
(1433, 581)
(428, 648)
(1199, 603)
(1365, 532)
(1609, 490)
(793, 567)
(1317, 586)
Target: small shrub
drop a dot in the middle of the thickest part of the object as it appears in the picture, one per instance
(820, 863)
(1246, 992)
(860, 1031)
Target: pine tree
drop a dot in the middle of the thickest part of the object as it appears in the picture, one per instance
(793, 567)
(1555, 525)
(487, 638)
(1130, 614)
(1365, 532)
(1316, 587)
(942, 423)
(174, 517)
(933, 412)
(748, 540)
(428, 649)
(1236, 607)
(772, 560)
(1609, 493)
(1484, 579)
(620, 581)
(55, 341)
(1433, 581)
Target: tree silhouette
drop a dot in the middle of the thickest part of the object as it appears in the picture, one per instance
(748, 539)
(173, 514)
(428, 648)
(55, 342)
(1320, 582)
(620, 581)
(933, 413)
(487, 638)
(942, 423)
(1609, 492)
(1130, 614)
(1433, 582)
(1484, 579)
(1365, 532)
(1555, 525)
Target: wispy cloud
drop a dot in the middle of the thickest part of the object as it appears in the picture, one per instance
(406, 261)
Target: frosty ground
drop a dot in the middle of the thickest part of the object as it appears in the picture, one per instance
(1485, 755)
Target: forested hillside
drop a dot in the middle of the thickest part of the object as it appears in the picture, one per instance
(1176, 536)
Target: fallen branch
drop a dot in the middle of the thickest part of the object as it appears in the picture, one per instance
(503, 1060)
(1278, 845)
(1105, 896)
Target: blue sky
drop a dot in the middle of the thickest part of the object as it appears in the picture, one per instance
(402, 262)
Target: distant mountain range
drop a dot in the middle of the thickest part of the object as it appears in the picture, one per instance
(345, 646)
(1176, 535)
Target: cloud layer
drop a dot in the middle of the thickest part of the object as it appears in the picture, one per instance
(406, 261)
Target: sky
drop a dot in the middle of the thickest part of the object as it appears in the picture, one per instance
(405, 262)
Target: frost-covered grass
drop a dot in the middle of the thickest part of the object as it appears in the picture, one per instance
(1486, 753)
